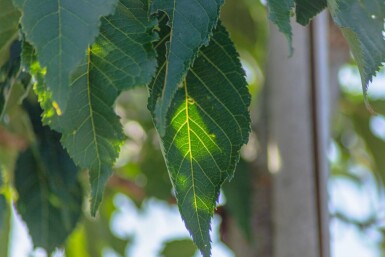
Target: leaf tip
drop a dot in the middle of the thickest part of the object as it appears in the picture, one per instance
(98, 180)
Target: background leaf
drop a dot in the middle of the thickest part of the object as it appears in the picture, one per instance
(238, 194)
(362, 23)
(9, 22)
(191, 23)
(209, 124)
(61, 32)
(5, 226)
(94, 235)
(176, 247)
(50, 196)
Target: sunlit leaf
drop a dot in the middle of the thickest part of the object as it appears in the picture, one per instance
(209, 122)
(191, 23)
(61, 32)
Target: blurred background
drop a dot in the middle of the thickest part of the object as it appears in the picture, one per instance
(139, 216)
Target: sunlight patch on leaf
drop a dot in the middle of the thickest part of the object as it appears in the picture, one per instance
(191, 23)
(209, 122)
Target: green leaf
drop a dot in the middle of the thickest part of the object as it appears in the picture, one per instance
(9, 22)
(5, 215)
(5, 226)
(92, 236)
(239, 200)
(361, 121)
(61, 32)
(362, 23)
(9, 74)
(209, 122)
(191, 23)
(280, 13)
(179, 248)
(307, 9)
(121, 58)
(50, 196)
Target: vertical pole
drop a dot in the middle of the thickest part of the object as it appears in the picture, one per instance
(298, 133)
(321, 111)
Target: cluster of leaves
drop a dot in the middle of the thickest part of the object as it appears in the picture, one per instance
(78, 57)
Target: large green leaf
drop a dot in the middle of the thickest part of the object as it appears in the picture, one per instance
(9, 21)
(307, 9)
(191, 23)
(362, 23)
(50, 195)
(209, 122)
(61, 32)
(121, 58)
(279, 13)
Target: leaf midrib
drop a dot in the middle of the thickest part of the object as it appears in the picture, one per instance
(93, 122)
(191, 157)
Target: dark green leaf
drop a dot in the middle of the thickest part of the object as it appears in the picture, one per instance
(121, 58)
(9, 21)
(209, 122)
(191, 23)
(279, 13)
(50, 196)
(239, 197)
(61, 32)
(307, 9)
(362, 23)
(179, 248)
(9, 73)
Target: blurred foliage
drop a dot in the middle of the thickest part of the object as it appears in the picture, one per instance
(358, 155)
(179, 248)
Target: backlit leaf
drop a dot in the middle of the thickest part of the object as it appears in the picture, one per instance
(209, 122)
(61, 31)
(362, 23)
(191, 23)
(121, 58)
